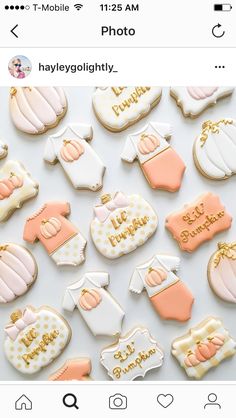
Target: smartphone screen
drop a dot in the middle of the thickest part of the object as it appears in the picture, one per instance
(117, 208)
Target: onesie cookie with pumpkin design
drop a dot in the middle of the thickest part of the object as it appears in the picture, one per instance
(117, 108)
(122, 223)
(194, 100)
(34, 338)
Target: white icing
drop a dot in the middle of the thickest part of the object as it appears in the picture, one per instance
(85, 172)
(106, 318)
(217, 156)
(222, 279)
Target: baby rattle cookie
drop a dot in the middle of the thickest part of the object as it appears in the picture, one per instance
(98, 308)
(198, 221)
(18, 271)
(80, 162)
(34, 338)
(155, 156)
(203, 347)
(132, 356)
(221, 271)
(122, 223)
(34, 110)
(117, 108)
(16, 187)
(75, 369)
(214, 150)
(194, 100)
(3, 150)
(169, 296)
(62, 240)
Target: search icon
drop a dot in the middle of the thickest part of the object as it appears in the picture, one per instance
(70, 401)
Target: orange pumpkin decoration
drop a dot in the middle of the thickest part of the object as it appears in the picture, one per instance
(16, 181)
(148, 143)
(50, 228)
(6, 188)
(155, 277)
(218, 340)
(89, 299)
(71, 150)
(203, 352)
(191, 360)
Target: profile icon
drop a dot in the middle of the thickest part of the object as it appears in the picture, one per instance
(19, 66)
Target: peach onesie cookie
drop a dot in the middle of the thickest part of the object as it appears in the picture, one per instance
(194, 100)
(161, 165)
(74, 369)
(119, 107)
(203, 347)
(198, 221)
(62, 240)
(168, 294)
(34, 338)
(34, 110)
(122, 223)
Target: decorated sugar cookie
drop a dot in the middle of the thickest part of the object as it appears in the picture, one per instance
(34, 338)
(214, 150)
(3, 150)
(132, 356)
(198, 221)
(121, 224)
(61, 239)
(203, 347)
(80, 162)
(169, 296)
(18, 271)
(98, 308)
(119, 107)
(155, 156)
(194, 100)
(34, 110)
(16, 187)
(75, 369)
(222, 271)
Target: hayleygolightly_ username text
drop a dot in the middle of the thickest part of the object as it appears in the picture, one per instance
(76, 68)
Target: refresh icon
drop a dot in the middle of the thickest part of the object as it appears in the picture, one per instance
(217, 32)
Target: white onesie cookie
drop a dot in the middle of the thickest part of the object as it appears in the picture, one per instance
(80, 162)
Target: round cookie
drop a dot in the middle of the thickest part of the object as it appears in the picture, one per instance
(221, 271)
(214, 150)
(18, 271)
(34, 110)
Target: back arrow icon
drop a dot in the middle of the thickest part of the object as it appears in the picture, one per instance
(12, 31)
(215, 29)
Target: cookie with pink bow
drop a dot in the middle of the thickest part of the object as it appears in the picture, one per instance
(34, 338)
(122, 223)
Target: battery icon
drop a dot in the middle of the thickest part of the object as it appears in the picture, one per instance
(223, 7)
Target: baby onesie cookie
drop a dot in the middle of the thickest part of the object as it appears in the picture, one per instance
(194, 100)
(214, 150)
(18, 271)
(34, 110)
(169, 296)
(203, 347)
(155, 156)
(3, 150)
(61, 239)
(80, 162)
(198, 221)
(16, 187)
(34, 338)
(222, 271)
(98, 308)
(117, 108)
(132, 356)
(75, 369)
(122, 223)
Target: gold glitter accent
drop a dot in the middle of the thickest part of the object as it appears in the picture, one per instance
(213, 127)
(225, 250)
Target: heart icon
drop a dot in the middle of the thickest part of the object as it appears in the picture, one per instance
(165, 400)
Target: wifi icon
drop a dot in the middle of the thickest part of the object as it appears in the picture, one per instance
(78, 6)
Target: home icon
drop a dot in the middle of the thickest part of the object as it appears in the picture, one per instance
(23, 403)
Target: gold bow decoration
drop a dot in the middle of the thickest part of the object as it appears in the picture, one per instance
(225, 250)
(212, 127)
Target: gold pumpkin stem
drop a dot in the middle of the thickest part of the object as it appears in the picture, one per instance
(150, 269)
(16, 315)
(13, 91)
(84, 291)
(105, 198)
(224, 250)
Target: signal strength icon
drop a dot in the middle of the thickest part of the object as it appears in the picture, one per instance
(78, 7)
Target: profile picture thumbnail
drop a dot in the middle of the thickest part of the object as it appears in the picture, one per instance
(19, 66)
